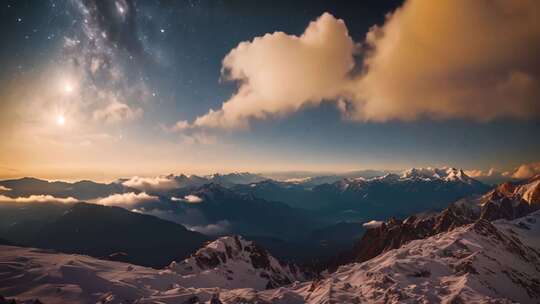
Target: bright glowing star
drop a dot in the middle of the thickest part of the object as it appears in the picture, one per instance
(121, 8)
(68, 88)
(60, 120)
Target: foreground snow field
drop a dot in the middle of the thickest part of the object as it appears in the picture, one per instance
(483, 262)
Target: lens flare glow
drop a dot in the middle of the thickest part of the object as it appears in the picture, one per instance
(68, 88)
(60, 120)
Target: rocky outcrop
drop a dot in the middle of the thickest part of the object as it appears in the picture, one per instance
(507, 201)
(15, 301)
(482, 262)
(233, 260)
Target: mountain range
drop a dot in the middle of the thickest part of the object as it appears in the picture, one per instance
(483, 247)
(99, 231)
(509, 201)
(311, 222)
(362, 199)
(87, 190)
(482, 262)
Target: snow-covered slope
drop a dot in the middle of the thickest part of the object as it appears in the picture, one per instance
(478, 263)
(27, 273)
(232, 262)
(226, 263)
(508, 201)
(483, 262)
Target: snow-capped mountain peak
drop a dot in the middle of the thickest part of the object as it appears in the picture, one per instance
(444, 173)
(232, 262)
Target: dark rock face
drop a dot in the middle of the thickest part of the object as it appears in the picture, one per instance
(15, 301)
(210, 261)
(215, 299)
(507, 201)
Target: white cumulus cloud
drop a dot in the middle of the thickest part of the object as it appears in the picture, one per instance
(158, 183)
(38, 199)
(419, 63)
(191, 198)
(127, 200)
(280, 73)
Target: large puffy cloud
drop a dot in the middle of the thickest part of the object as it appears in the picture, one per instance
(439, 59)
(37, 199)
(452, 59)
(280, 73)
(127, 200)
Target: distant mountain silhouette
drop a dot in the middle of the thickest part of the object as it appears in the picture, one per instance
(357, 199)
(104, 232)
(83, 190)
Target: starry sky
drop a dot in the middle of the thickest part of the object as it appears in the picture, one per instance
(102, 89)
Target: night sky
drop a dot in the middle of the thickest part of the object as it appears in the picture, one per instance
(103, 89)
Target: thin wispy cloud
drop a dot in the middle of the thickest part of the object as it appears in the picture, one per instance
(38, 199)
(191, 198)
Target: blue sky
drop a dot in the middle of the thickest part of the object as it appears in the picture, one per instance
(159, 63)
